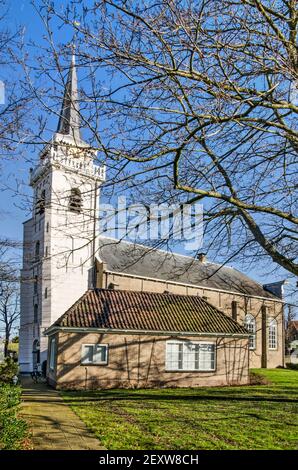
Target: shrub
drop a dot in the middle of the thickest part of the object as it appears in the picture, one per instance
(8, 370)
(289, 365)
(12, 428)
(257, 379)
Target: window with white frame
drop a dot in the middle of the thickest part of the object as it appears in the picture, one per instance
(272, 343)
(250, 325)
(52, 353)
(190, 355)
(94, 354)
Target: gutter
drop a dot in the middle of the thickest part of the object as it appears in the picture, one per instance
(53, 329)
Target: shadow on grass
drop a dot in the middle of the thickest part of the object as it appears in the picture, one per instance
(79, 400)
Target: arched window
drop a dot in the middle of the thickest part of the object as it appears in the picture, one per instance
(250, 325)
(35, 319)
(37, 249)
(75, 200)
(272, 344)
(35, 284)
(36, 353)
(41, 202)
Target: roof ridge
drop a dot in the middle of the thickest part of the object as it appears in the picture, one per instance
(174, 253)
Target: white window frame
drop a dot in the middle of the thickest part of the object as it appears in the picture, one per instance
(52, 361)
(93, 362)
(184, 344)
(272, 323)
(249, 321)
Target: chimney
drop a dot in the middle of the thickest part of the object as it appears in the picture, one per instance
(234, 310)
(202, 257)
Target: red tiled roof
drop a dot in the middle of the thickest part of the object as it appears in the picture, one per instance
(147, 311)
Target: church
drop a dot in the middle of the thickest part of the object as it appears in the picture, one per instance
(107, 313)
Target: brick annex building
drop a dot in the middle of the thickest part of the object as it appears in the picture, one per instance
(109, 313)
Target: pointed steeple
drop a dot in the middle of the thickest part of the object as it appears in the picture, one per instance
(69, 121)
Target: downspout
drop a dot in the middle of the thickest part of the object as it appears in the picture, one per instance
(86, 378)
(264, 337)
(94, 237)
(283, 332)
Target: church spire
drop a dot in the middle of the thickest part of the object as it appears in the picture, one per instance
(69, 121)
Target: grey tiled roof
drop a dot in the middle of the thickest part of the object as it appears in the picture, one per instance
(147, 311)
(139, 260)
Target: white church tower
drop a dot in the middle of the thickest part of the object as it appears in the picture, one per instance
(59, 239)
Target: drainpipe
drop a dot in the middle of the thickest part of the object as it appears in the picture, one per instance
(94, 237)
(86, 377)
(264, 337)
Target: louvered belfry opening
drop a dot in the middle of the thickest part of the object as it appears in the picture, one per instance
(75, 201)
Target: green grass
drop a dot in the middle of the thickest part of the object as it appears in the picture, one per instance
(247, 417)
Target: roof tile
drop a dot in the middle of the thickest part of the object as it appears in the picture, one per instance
(147, 311)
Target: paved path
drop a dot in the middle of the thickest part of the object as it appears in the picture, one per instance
(53, 424)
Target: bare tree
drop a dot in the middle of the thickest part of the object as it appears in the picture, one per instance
(14, 102)
(14, 127)
(8, 272)
(197, 101)
(9, 310)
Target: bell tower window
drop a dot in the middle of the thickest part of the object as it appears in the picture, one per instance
(37, 250)
(41, 202)
(75, 201)
(35, 313)
(35, 285)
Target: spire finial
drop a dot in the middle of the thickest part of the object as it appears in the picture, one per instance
(69, 121)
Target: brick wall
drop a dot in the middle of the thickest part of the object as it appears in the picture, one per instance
(139, 361)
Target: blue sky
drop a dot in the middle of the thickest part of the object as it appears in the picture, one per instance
(11, 215)
(15, 173)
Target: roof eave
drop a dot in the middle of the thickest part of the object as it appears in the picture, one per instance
(55, 328)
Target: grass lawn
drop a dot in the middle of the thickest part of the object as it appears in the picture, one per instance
(247, 417)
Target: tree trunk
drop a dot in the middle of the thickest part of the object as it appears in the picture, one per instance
(6, 342)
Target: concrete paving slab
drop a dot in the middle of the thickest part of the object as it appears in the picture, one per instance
(52, 422)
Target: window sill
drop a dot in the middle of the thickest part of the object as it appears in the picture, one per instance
(94, 364)
(190, 370)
